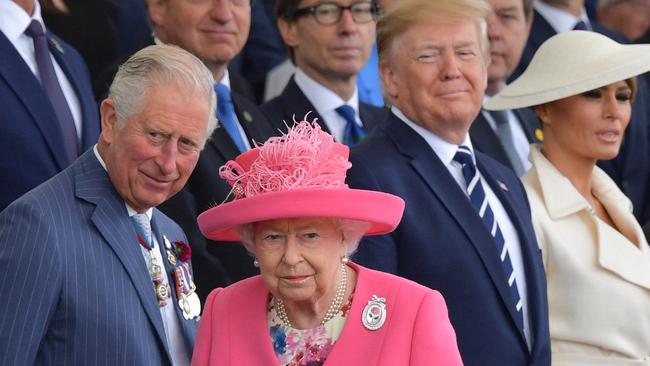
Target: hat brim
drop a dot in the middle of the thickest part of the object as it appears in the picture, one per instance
(382, 211)
(569, 64)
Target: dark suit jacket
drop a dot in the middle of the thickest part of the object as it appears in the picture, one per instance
(204, 190)
(485, 140)
(631, 168)
(75, 284)
(442, 243)
(293, 102)
(31, 143)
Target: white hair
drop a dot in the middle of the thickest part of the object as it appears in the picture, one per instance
(155, 66)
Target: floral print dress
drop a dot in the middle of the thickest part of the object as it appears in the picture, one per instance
(305, 347)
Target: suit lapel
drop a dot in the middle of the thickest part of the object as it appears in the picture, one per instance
(485, 139)
(431, 170)
(188, 326)
(27, 87)
(111, 219)
(530, 124)
(295, 103)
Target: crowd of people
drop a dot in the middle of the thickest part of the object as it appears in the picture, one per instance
(325, 182)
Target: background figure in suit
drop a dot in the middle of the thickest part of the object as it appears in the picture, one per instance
(215, 32)
(49, 115)
(631, 168)
(466, 230)
(596, 257)
(630, 18)
(84, 283)
(506, 135)
(329, 42)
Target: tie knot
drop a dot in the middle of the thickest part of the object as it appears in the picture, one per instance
(35, 29)
(464, 156)
(346, 112)
(581, 25)
(143, 227)
(223, 94)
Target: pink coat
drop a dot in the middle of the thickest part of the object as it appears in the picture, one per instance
(234, 328)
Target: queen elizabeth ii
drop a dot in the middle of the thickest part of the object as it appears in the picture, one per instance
(311, 305)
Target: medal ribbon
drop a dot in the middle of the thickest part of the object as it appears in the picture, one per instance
(140, 236)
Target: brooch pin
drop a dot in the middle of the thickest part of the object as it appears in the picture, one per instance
(374, 314)
(503, 186)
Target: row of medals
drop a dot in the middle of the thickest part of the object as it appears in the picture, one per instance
(188, 300)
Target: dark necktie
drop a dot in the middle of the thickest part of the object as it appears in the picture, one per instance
(507, 142)
(53, 89)
(353, 133)
(226, 115)
(479, 201)
(581, 25)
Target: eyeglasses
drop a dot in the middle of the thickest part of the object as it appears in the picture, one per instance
(328, 13)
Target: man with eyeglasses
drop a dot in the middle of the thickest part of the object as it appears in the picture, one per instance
(466, 229)
(329, 41)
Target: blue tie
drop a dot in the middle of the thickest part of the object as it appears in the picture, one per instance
(226, 115)
(581, 25)
(53, 89)
(479, 202)
(354, 133)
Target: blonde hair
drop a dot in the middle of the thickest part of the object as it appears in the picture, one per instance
(408, 12)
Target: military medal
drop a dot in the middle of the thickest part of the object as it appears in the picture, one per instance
(155, 271)
(188, 300)
(171, 258)
(374, 314)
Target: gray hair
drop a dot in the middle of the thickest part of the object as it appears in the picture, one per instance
(351, 230)
(155, 66)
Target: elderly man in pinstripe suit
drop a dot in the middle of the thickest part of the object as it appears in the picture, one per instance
(93, 273)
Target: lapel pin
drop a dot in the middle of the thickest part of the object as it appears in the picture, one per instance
(374, 314)
(57, 45)
(503, 186)
(247, 116)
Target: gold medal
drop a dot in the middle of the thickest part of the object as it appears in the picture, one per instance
(162, 292)
(171, 258)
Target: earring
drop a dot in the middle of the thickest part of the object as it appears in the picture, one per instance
(256, 264)
(345, 260)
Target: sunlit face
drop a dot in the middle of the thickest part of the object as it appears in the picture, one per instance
(151, 157)
(299, 258)
(508, 31)
(587, 126)
(436, 76)
(213, 30)
(329, 52)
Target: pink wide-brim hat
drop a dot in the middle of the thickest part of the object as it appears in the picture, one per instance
(300, 174)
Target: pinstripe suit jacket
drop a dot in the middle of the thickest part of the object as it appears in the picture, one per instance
(75, 287)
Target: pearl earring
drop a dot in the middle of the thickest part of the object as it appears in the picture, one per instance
(345, 260)
(256, 263)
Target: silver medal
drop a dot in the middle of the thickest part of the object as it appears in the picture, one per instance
(374, 314)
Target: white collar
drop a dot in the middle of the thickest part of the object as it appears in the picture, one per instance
(14, 20)
(323, 99)
(560, 20)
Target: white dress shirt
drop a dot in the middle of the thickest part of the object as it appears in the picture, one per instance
(446, 152)
(559, 19)
(175, 339)
(326, 101)
(13, 24)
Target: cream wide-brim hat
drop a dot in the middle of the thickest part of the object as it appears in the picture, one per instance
(571, 63)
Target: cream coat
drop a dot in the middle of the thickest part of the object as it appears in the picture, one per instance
(598, 281)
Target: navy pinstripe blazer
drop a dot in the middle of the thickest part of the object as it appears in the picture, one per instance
(75, 287)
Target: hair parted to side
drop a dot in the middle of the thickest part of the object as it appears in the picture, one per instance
(160, 65)
(405, 13)
(351, 230)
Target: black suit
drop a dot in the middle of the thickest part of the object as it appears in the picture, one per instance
(204, 190)
(293, 102)
(485, 139)
(631, 168)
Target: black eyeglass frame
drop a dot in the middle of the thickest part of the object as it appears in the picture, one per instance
(375, 11)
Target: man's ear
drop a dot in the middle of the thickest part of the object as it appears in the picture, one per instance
(108, 120)
(288, 30)
(389, 80)
(156, 9)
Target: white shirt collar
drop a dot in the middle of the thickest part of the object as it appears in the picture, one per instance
(129, 209)
(560, 20)
(14, 20)
(443, 149)
(323, 99)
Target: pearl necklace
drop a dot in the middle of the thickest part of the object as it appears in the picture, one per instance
(333, 309)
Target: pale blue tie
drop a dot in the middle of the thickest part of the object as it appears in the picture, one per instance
(226, 115)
